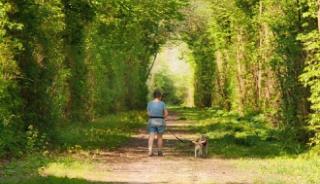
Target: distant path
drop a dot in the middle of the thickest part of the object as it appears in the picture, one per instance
(130, 164)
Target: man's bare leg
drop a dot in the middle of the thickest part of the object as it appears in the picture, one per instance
(150, 143)
(160, 144)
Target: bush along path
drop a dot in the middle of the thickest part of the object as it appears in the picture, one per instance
(242, 150)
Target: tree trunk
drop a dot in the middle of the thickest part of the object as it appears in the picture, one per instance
(219, 77)
(239, 57)
(260, 59)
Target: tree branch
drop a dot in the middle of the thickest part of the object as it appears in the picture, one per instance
(152, 64)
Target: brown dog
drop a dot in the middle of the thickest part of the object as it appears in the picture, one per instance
(201, 146)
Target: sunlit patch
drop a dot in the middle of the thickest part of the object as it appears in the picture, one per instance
(73, 168)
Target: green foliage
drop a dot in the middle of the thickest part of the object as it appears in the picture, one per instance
(288, 62)
(120, 46)
(104, 133)
(54, 180)
(253, 141)
(34, 140)
(249, 58)
(10, 101)
(78, 60)
(40, 62)
(165, 82)
(249, 136)
(303, 169)
(78, 15)
(74, 146)
(311, 76)
(202, 46)
(254, 146)
(204, 70)
(75, 60)
(18, 169)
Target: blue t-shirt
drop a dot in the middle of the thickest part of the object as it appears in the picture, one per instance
(156, 109)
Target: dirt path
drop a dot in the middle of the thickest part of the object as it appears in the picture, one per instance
(130, 164)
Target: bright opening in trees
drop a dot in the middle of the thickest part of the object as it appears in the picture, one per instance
(173, 73)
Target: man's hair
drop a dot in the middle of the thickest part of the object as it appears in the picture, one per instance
(157, 94)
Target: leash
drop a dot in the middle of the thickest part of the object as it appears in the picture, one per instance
(176, 136)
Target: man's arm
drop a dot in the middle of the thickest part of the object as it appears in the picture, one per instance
(165, 111)
(148, 109)
(166, 114)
